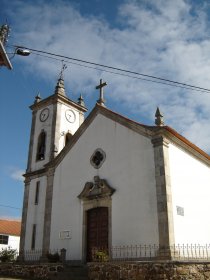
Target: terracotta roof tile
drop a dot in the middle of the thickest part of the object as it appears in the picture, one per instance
(10, 227)
(186, 141)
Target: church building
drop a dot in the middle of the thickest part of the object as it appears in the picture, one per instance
(105, 181)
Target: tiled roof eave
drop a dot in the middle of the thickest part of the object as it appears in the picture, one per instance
(183, 142)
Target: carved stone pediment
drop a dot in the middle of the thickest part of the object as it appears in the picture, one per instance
(97, 189)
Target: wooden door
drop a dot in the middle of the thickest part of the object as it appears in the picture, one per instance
(97, 231)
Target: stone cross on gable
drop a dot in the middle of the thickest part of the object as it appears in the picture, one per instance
(101, 100)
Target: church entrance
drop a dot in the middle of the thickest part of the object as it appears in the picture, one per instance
(97, 231)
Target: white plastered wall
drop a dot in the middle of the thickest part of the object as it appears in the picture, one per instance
(13, 243)
(35, 213)
(129, 168)
(190, 184)
(65, 126)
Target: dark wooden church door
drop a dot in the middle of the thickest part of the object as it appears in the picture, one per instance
(97, 231)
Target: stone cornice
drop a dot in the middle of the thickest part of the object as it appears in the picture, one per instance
(34, 174)
(54, 99)
(160, 141)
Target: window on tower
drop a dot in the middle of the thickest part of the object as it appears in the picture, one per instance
(41, 146)
(37, 193)
(33, 238)
(68, 137)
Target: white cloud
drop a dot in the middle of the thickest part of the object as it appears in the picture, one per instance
(16, 174)
(163, 38)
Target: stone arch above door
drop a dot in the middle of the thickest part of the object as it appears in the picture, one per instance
(98, 189)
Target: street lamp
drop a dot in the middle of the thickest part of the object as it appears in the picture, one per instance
(23, 52)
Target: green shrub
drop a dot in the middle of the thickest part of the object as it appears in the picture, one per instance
(8, 255)
(101, 256)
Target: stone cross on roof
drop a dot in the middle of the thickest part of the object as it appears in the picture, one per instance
(62, 70)
(101, 100)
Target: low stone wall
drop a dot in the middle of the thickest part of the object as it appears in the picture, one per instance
(149, 271)
(38, 271)
(114, 271)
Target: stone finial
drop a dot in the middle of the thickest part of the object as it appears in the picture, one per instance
(60, 89)
(159, 118)
(81, 101)
(37, 98)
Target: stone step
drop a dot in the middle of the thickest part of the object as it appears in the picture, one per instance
(74, 273)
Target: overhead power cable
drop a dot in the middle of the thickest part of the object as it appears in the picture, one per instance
(146, 76)
(117, 73)
(8, 206)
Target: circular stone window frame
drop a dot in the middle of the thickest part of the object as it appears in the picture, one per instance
(92, 158)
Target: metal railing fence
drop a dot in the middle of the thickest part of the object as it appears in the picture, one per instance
(38, 255)
(178, 252)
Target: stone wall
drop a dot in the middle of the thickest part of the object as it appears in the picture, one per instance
(149, 271)
(114, 271)
(39, 271)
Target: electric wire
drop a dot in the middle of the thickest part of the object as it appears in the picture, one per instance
(8, 206)
(165, 81)
(121, 74)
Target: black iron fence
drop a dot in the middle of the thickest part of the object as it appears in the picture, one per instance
(179, 252)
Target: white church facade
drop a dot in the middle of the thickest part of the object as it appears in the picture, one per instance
(108, 181)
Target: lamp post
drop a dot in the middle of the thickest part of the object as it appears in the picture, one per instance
(4, 60)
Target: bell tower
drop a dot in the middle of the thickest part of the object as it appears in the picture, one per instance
(54, 120)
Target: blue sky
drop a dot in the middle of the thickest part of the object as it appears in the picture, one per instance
(169, 39)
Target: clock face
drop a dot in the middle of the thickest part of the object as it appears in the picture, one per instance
(70, 116)
(44, 114)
